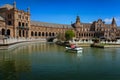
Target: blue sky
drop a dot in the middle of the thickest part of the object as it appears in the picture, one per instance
(65, 11)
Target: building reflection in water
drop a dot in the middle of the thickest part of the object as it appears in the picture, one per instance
(16, 61)
(13, 63)
(40, 59)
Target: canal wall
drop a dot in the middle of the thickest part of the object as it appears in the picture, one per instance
(14, 43)
(105, 46)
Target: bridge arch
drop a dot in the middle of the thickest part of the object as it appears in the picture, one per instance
(3, 31)
(8, 32)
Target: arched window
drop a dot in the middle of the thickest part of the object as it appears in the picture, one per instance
(3, 31)
(23, 33)
(9, 23)
(50, 34)
(35, 33)
(8, 32)
(26, 24)
(79, 34)
(23, 24)
(39, 33)
(32, 34)
(42, 33)
(46, 34)
(20, 33)
(26, 33)
(53, 34)
(19, 23)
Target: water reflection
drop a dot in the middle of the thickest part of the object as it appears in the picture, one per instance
(46, 61)
(79, 54)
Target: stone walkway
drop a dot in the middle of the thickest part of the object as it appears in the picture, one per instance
(9, 43)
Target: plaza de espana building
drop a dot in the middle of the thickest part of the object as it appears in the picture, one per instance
(16, 23)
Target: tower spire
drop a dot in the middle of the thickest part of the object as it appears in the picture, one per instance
(28, 9)
(78, 19)
(113, 22)
(14, 4)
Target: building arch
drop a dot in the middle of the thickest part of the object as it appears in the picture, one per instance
(23, 24)
(3, 31)
(26, 34)
(42, 33)
(26, 24)
(50, 34)
(20, 33)
(23, 33)
(53, 34)
(32, 33)
(19, 23)
(8, 32)
(39, 33)
(35, 33)
(46, 33)
(79, 34)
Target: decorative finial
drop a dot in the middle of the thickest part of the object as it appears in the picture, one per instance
(114, 22)
(14, 4)
(28, 9)
(78, 19)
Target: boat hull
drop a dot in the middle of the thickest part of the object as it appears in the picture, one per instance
(76, 50)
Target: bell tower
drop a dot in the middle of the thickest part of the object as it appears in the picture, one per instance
(78, 20)
(14, 4)
(113, 24)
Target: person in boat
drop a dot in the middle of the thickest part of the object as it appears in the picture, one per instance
(72, 46)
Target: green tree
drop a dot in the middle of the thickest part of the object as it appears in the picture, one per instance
(69, 34)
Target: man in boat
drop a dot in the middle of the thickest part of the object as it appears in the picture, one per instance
(72, 46)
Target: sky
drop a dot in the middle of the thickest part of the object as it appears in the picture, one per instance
(65, 11)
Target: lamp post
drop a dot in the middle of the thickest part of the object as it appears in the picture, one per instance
(5, 28)
(5, 32)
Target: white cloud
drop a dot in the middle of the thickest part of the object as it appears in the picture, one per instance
(109, 20)
(90, 22)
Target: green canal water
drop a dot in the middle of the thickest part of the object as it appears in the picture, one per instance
(47, 61)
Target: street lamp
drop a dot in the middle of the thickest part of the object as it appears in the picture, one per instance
(5, 28)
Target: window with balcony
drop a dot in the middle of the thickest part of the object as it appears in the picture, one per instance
(9, 23)
(9, 16)
(26, 24)
(19, 23)
(23, 24)
(26, 18)
(19, 16)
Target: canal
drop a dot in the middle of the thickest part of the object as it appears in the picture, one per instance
(47, 61)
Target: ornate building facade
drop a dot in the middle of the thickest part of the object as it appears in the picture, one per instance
(16, 23)
(98, 29)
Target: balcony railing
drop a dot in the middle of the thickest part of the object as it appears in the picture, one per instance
(23, 27)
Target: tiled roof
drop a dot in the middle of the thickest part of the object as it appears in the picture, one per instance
(86, 23)
(45, 24)
(7, 6)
